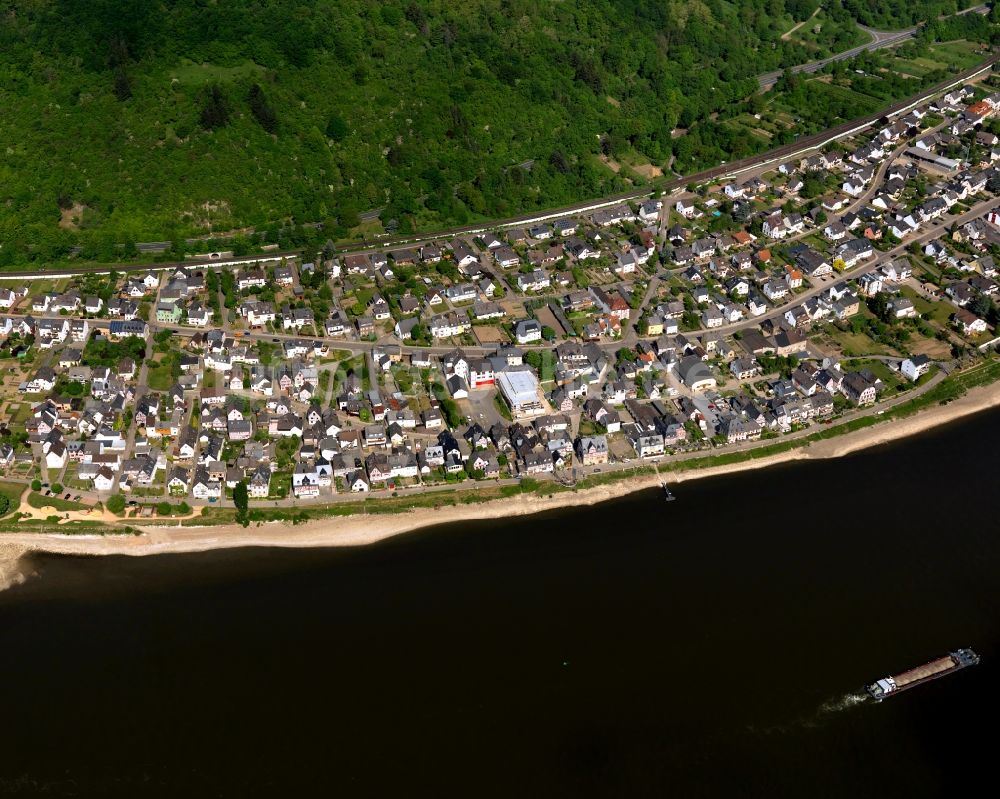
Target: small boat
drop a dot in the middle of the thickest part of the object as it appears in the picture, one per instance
(667, 495)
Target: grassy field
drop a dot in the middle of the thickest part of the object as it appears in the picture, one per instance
(188, 73)
(941, 312)
(960, 54)
(38, 287)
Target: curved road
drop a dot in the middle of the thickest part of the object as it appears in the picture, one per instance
(879, 40)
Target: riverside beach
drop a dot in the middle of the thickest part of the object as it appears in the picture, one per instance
(362, 529)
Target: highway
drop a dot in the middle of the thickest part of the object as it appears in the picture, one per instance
(880, 39)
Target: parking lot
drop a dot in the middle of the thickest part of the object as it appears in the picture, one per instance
(479, 407)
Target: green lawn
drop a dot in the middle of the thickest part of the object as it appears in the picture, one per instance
(941, 312)
(879, 368)
(39, 287)
(19, 413)
(13, 493)
(40, 501)
(855, 344)
(159, 377)
(921, 303)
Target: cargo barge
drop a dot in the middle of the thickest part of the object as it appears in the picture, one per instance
(889, 686)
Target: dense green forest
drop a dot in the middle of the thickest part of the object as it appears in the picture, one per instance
(132, 120)
(890, 14)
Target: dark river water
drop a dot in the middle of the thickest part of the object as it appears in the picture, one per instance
(714, 646)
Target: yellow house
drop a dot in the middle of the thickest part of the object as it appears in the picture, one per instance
(654, 326)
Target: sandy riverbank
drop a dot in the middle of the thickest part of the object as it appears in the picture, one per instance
(367, 529)
(12, 570)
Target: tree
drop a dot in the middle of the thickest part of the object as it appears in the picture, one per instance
(559, 162)
(57, 488)
(741, 212)
(982, 306)
(534, 359)
(163, 509)
(122, 84)
(336, 127)
(261, 109)
(214, 108)
(116, 504)
(241, 499)
(36, 485)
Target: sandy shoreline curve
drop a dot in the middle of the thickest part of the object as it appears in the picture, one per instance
(360, 530)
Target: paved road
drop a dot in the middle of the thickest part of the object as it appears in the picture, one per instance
(141, 383)
(879, 40)
(630, 337)
(930, 231)
(769, 79)
(104, 269)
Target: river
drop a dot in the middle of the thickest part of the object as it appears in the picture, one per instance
(713, 646)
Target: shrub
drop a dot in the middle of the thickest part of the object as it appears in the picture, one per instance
(116, 504)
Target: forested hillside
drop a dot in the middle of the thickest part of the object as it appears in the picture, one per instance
(145, 119)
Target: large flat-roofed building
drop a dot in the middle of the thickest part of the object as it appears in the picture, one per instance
(521, 392)
(942, 163)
